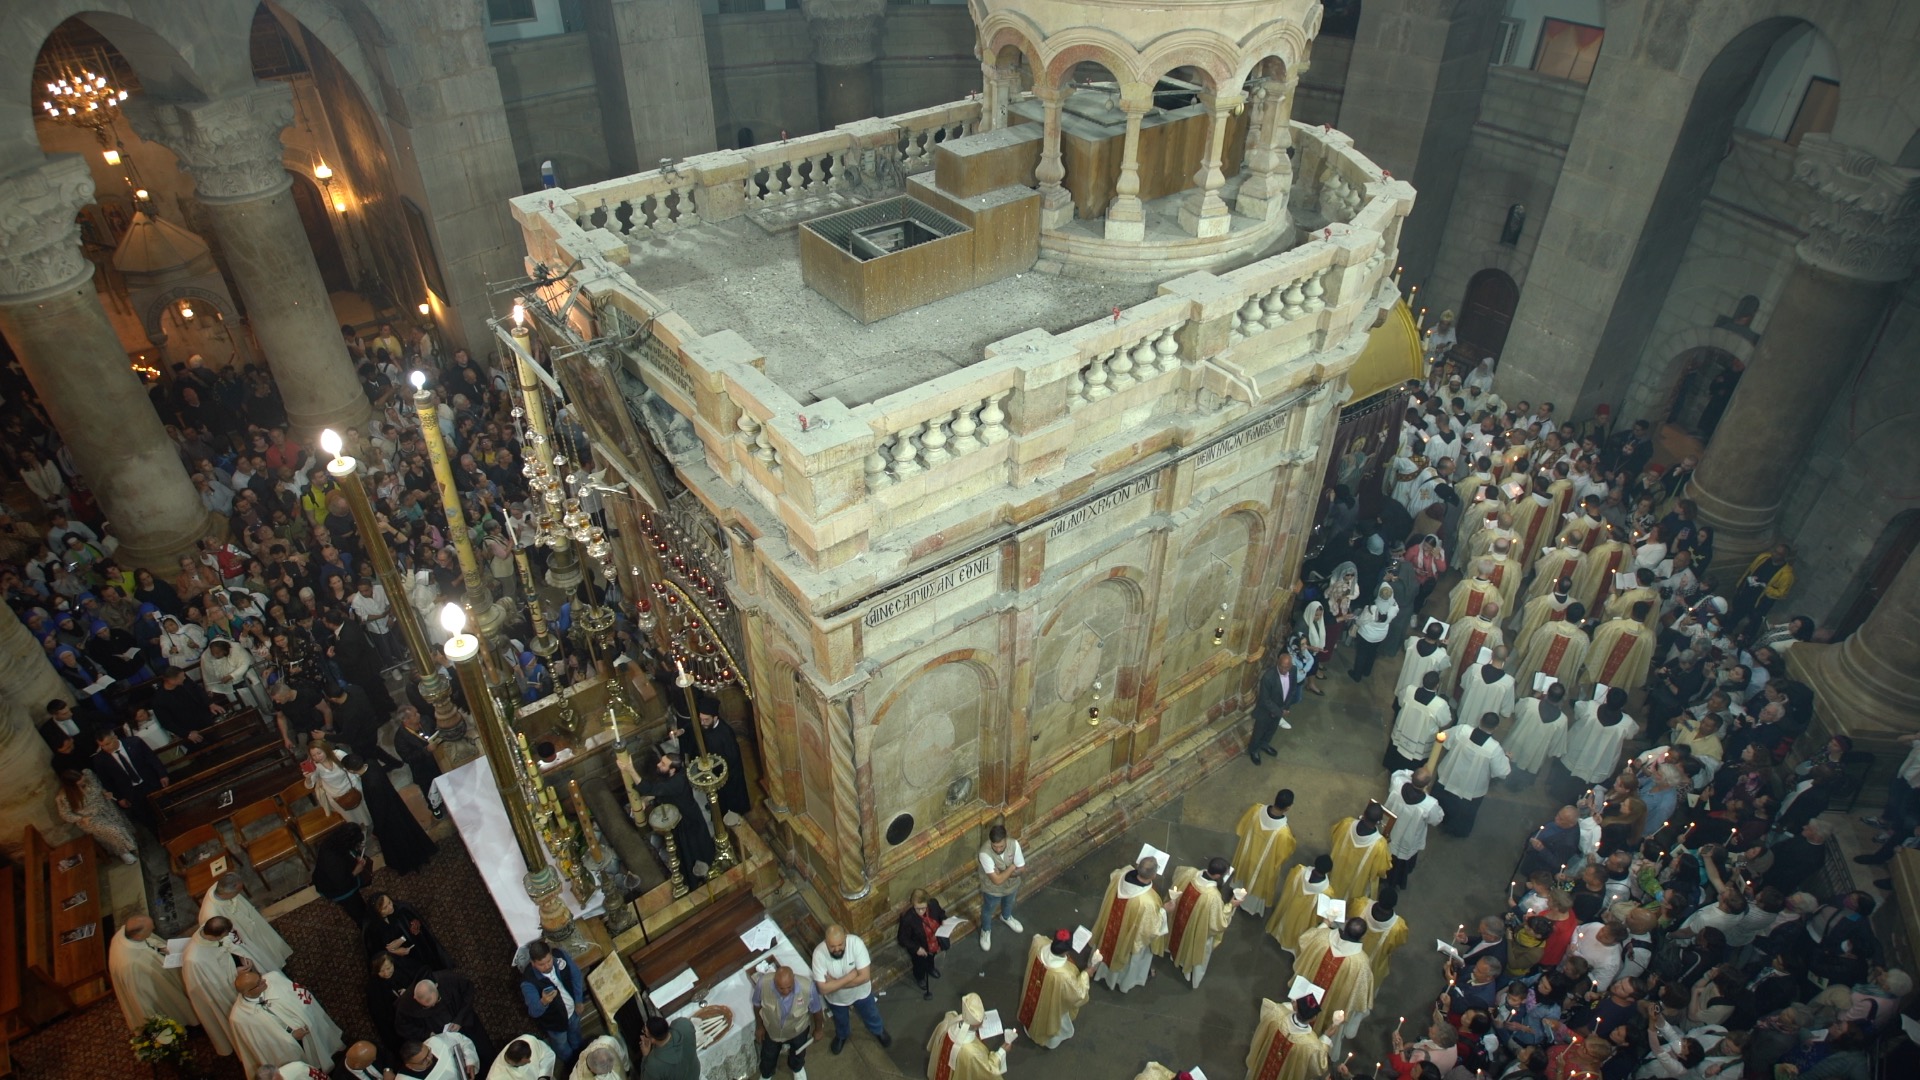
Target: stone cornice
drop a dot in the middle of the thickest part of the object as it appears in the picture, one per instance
(39, 239)
(1867, 224)
(846, 33)
(231, 146)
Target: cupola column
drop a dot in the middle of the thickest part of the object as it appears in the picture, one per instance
(1126, 214)
(1202, 211)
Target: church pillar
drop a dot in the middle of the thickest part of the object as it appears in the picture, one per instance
(1126, 214)
(1056, 204)
(846, 41)
(1860, 242)
(1268, 176)
(852, 793)
(52, 317)
(650, 64)
(27, 683)
(232, 149)
(1868, 686)
(1202, 211)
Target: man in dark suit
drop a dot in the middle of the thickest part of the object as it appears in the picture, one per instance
(1279, 691)
(130, 772)
(182, 707)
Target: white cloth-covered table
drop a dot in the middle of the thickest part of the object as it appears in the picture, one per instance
(735, 1053)
(470, 795)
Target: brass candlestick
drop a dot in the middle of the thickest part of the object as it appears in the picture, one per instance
(663, 818)
(707, 773)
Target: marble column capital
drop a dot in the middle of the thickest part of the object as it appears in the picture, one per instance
(39, 239)
(230, 146)
(845, 33)
(1867, 222)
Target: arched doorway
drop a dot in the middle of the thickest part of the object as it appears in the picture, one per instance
(320, 235)
(1487, 312)
(1877, 571)
(1706, 380)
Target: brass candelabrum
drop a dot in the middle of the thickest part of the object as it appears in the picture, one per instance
(707, 772)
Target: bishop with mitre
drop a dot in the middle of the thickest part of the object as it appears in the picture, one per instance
(956, 1052)
(1285, 1045)
(1333, 957)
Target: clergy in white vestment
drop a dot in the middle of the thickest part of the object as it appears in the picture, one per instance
(142, 982)
(276, 1020)
(1420, 655)
(1414, 811)
(525, 1057)
(1132, 927)
(1471, 761)
(213, 957)
(1539, 729)
(292, 1070)
(610, 1060)
(1423, 714)
(1599, 733)
(446, 1056)
(1487, 688)
(228, 898)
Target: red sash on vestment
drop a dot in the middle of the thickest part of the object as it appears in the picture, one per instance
(1555, 653)
(1110, 938)
(1182, 911)
(1591, 538)
(1030, 997)
(1474, 599)
(1474, 641)
(1276, 1058)
(1606, 576)
(1329, 967)
(1499, 572)
(1533, 527)
(943, 1058)
(1621, 647)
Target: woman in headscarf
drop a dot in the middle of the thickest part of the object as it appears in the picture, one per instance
(79, 673)
(115, 652)
(149, 589)
(535, 681)
(1370, 631)
(1313, 638)
(181, 643)
(1343, 589)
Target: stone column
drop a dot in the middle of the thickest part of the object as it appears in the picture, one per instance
(1202, 211)
(846, 41)
(1868, 686)
(232, 149)
(52, 317)
(27, 683)
(1126, 214)
(996, 90)
(1056, 204)
(1268, 179)
(1860, 242)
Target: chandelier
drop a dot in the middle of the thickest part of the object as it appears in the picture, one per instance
(75, 93)
(684, 604)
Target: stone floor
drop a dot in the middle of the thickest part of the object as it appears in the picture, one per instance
(1331, 761)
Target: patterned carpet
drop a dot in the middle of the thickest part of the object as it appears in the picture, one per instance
(92, 1043)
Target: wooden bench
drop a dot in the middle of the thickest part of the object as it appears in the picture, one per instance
(709, 944)
(242, 762)
(71, 966)
(10, 1025)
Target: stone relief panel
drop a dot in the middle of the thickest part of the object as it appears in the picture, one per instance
(1094, 637)
(1203, 577)
(816, 757)
(926, 742)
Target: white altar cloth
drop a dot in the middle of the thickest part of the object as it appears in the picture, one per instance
(736, 1053)
(470, 795)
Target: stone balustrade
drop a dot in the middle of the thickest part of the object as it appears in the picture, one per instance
(834, 473)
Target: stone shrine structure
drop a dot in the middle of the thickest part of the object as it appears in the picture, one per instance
(1013, 554)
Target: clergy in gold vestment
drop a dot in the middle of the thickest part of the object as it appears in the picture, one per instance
(1299, 899)
(1132, 927)
(1198, 916)
(1285, 1046)
(1553, 564)
(1593, 579)
(955, 1051)
(1471, 634)
(1547, 607)
(1621, 604)
(1266, 843)
(1386, 932)
(1506, 573)
(1622, 649)
(1534, 523)
(1557, 648)
(1468, 597)
(1333, 959)
(1360, 857)
(1054, 989)
(144, 984)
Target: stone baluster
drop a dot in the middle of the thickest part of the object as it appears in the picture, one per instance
(1166, 349)
(875, 467)
(906, 453)
(1296, 299)
(993, 419)
(1126, 214)
(53, 319)
(1077, 392)
(1056, 203)
(1269, 170)
(1247, 320)
(1145, 360)
(1273, 307)
(764, 452)
(1203, 212)
(749, 428)
(933, 444)
(964, 426)
(1120, 370)
(1315, 291)
(232, 149)
(1097, 387)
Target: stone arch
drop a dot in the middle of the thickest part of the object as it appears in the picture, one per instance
(1208, 54)
(925, 739)
(138, 34)
(1093, 635)
(1081, 44)
(1690, 352)
(1280, 38)
(1214, 567)
(1003, 33)
(156, 309)
(342, 26)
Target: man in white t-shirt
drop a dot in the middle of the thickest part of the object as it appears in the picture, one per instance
(843, 971)
(369, 604)
(1001, 866)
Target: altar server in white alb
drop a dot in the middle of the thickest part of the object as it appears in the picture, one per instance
(525, 1058)
(1472, 760)
(1414, 811)
(276, 1020)
(1487, 688)
(145, 986)
(228, 898)
(446, 1056)
(1539, 731)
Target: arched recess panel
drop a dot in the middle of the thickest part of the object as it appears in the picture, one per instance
(1204, 584)
(1094, 637)
(926, 742)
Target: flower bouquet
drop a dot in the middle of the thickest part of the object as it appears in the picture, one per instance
(161, 1040)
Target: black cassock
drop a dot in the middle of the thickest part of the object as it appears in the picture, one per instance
(722, 740)
(691, 836)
